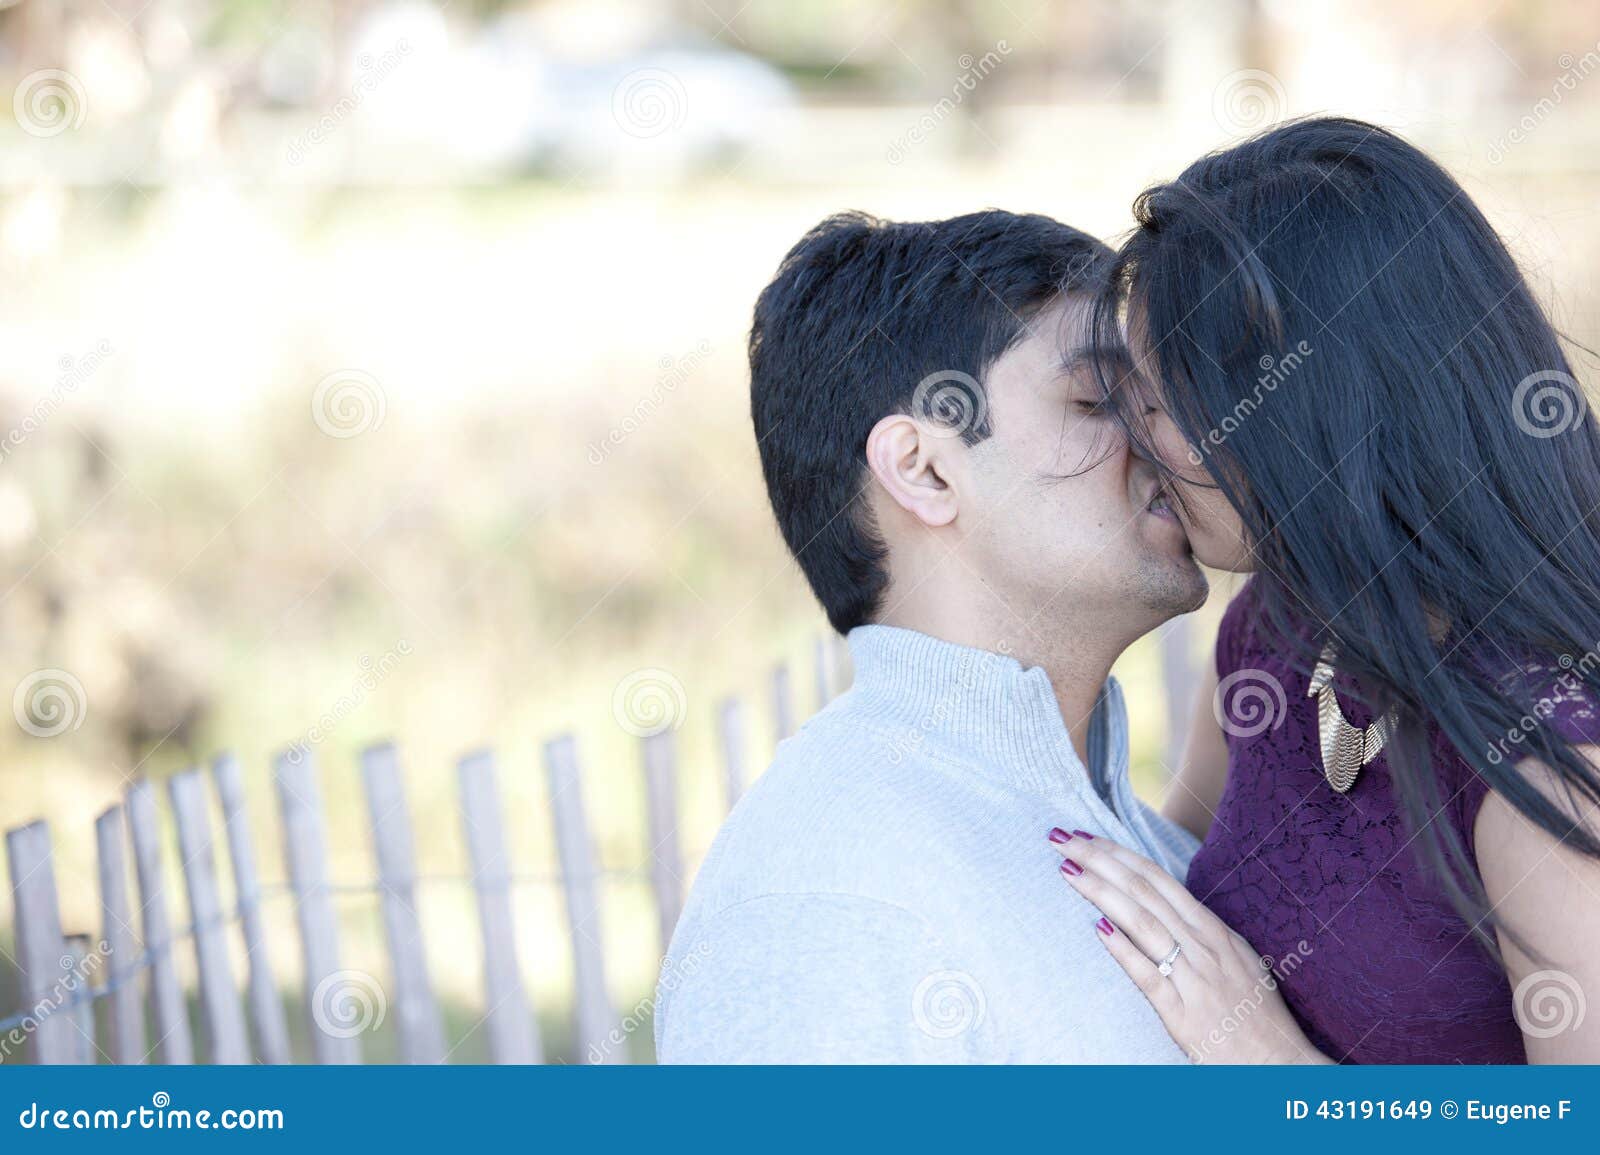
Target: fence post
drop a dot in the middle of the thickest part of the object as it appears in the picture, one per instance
(226, 1040)
(659, 752)
(122, 975)
(730, 730)
(821, 671)
(782, 703)
(513, 1034)
(171, 1012)
(839, 663)
(580, 882)
(421, 1029)
(266, 1007)
(40, 946)
(1179, 675)
(80, 1002)
(305, 848)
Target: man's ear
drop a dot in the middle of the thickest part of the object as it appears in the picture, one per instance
(913, 469)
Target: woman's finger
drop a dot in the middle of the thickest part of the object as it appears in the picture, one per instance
(1079, 843)
(1193, 918)
(1099, 858)
(1155, 986)
(1148, 930)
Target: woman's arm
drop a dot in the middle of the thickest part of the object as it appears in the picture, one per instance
(1549, 894)
(1196, 789)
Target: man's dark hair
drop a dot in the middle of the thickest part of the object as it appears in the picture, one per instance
(867, 318)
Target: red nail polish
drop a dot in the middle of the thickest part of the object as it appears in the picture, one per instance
(1104, 927)
(1059, 836)
(1083, 834)
(1070, 867)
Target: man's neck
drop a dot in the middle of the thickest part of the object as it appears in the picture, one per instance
(1077, 686)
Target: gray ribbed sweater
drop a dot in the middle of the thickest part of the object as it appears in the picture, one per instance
(885, 892)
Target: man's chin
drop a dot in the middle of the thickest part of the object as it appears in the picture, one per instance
(1173, 586)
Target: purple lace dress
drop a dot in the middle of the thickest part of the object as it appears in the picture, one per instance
(1389, 972)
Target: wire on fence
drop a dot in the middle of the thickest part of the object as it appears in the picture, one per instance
(142, 961)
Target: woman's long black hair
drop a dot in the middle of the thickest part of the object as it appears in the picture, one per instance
(1352, 352)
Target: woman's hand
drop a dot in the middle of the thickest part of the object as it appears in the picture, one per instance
(1220, 1002)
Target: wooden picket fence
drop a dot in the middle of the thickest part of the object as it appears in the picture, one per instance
(63, 976)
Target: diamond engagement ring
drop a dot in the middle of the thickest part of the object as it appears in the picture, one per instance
(1165, 965)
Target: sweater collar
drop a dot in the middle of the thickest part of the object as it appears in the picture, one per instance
(985, 709)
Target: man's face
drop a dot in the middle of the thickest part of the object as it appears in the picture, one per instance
(1063, 522)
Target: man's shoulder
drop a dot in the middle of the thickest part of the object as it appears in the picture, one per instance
(841, 752)
(812, 917)
(840, 810)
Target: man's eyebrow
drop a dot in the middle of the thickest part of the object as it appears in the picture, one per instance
(1082, 357)
(1119, 362)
